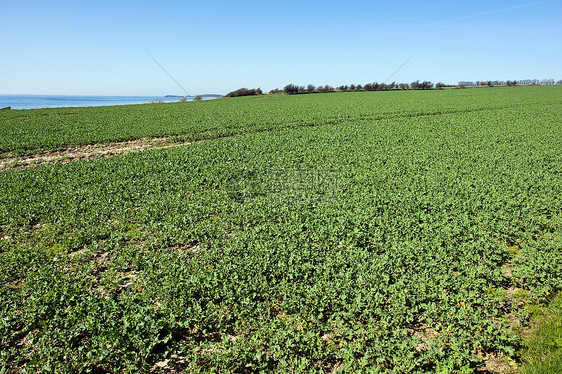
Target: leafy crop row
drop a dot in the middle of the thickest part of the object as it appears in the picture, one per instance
(390, 244)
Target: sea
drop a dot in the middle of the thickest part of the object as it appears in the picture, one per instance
(61, 101)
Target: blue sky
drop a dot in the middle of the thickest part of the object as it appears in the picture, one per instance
(102, 47)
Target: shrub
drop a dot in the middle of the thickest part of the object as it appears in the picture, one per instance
(291, 89)
(245, 92)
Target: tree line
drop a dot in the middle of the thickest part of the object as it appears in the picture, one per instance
(520, 82)
(293, 89)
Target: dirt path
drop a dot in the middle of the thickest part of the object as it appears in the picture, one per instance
(86, 152)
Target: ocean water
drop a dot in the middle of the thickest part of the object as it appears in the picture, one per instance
(60, 101)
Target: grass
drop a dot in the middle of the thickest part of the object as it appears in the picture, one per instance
(543, 346)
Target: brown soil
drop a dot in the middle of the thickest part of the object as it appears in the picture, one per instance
(86, 152)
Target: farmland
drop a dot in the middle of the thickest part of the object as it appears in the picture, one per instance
(371, 231)
(35, 131)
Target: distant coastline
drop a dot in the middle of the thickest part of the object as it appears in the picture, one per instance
(62, 101)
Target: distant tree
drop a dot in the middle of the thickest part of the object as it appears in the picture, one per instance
(415, 85)
(403, 86)
(352, 87)
(244, 92)
(198, 98)
(183, 99)
(275, 91)
(310, 88)
(426, 85)
(359, 88)
(439, 85)
(291, 89)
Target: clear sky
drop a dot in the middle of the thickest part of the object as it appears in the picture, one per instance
(102, 47)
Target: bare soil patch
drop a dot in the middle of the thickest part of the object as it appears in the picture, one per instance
(86, 152)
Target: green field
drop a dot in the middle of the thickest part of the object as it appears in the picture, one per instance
(32, 131)
(375, 232)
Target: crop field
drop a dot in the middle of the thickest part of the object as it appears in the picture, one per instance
(25, 132)
(383, 232)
